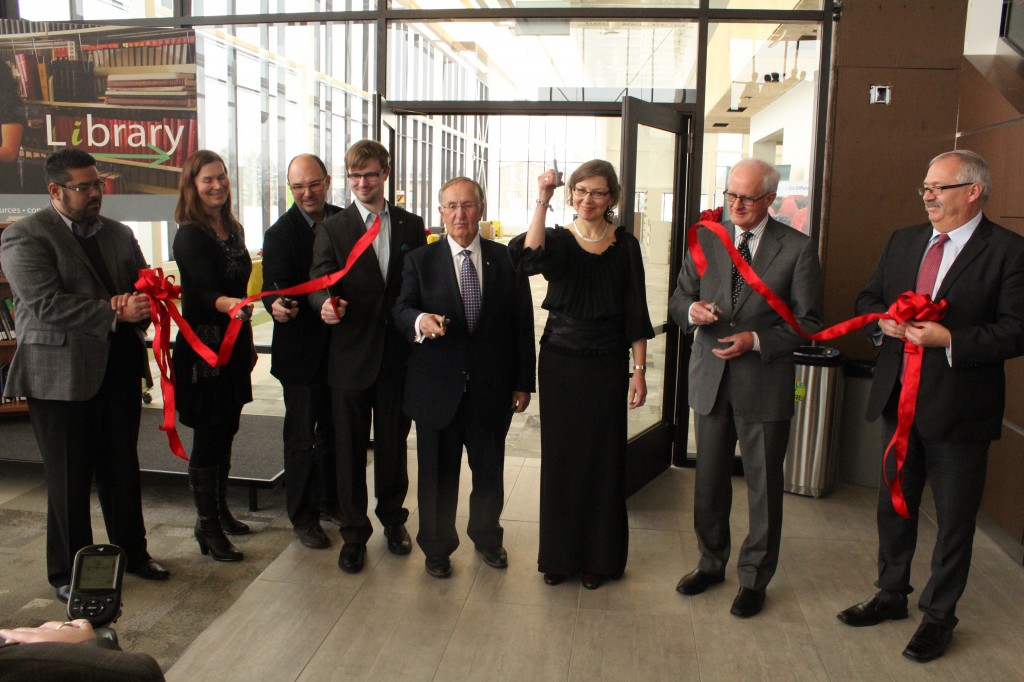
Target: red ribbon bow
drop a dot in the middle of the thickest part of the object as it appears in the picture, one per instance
(907, 306)
(162, 292)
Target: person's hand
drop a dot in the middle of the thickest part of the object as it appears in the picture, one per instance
(928, 334)
(71, 632)
(892, 328)
(703, 313)
(283, 313)
(520, 401)
(333, 310)
(546, 184)
(637, 389)
(130, 307)
(433, 326)
(739, 344)
(244, 313)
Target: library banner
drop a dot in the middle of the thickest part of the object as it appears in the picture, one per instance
(126, 95)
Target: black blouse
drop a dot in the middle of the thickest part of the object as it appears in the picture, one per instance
(596, 301)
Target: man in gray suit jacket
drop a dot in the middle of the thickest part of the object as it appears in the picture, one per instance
(80, 361)
(741, 378)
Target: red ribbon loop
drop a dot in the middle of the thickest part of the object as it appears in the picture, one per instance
(162, 292)
(907, 306)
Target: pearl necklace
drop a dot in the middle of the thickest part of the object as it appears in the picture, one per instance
(588, 240)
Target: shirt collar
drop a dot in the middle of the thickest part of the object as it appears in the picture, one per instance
(960, 235)
(756, 232)
(364, 212)
(456, 249)
(88, 230)
(327, 214)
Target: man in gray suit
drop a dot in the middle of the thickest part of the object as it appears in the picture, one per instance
(80, 362)
(741, 378)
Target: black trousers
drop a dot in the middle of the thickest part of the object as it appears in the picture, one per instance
(957, 475)
(82, 439)
(309, 464)
(439, 453)
(354, 412)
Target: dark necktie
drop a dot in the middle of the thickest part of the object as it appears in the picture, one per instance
(737, 280)
(929, 271)
(470, 290)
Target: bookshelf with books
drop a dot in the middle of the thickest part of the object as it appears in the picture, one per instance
(8, 343)
(127, 95)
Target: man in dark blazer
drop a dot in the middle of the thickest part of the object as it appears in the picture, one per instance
(298, 355)
(80, 361)
(366, 361)
(470, 318)
(978, 269)
(741, 378)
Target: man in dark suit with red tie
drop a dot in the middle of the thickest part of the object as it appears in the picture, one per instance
(977, 267)
(470, 318)
(298, 355)
(366, 359)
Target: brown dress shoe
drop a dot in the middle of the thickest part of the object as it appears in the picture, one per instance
(313, 537)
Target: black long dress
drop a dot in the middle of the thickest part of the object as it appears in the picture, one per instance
(597, 307)
(211, 268)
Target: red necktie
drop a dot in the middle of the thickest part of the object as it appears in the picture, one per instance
(929, 271)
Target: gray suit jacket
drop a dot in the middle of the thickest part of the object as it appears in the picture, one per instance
(762, 386)
(61, 307)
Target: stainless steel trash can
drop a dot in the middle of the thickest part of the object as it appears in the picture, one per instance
(812, 455)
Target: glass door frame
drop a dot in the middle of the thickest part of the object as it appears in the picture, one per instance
(652, 451)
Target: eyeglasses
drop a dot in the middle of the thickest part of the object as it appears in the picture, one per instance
(465, 206)
(936, 190)
(732, 198)
(580, 193)
(314, 186)
(100, 186)
(356, 177)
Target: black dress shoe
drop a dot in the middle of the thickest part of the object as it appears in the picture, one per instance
(148, 568)
(399, 541)
(439, 566)
(554, 578)
(313, 537)
(591, 581)
(873, 611)
(64, 593)
(696, 581)
(928, 643)
(352, 557)
(748, 603)
(495, 558)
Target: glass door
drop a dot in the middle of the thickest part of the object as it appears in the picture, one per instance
(654, 162)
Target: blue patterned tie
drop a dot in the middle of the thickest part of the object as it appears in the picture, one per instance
(737, 280)
(470, 290)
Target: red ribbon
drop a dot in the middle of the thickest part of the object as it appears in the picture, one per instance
(907, 306)
(162, 291)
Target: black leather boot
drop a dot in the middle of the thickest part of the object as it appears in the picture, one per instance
(228, 522)
(209, 533)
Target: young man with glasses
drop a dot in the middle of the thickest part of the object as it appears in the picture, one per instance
(470, 318)
(741, 378)
(298, 356)
(977, 267)
(80, 361)
(366, 360)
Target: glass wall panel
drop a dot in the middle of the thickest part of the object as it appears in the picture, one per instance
(269, 92)
(216, 8)
(94, 10)
(499, 4)
(762, 93)
(783, 5)
(543, 60)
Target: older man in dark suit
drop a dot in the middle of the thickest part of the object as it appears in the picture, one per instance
(977, 267)
(298, 356)
(741, 378)
(80, 361)
(366, 360)
(470, 317)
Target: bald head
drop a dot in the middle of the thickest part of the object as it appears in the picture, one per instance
(310, 185)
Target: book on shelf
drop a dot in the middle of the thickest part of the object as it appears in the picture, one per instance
(7, 318)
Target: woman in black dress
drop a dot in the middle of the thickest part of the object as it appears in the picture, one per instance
(597, 313)
(209, 248)
(12, 129)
